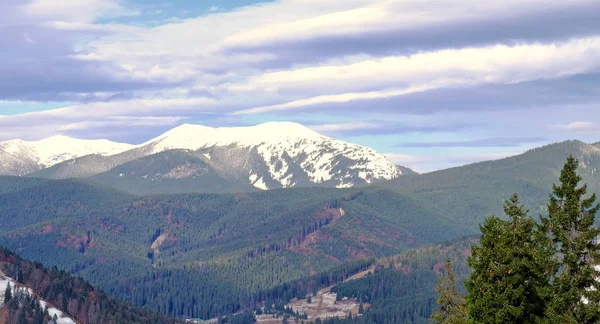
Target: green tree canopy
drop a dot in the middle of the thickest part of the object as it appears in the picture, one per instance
(509, 275)
(572, 236)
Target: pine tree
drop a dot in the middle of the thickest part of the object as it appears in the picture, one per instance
(7, 294)
(572, 236)
(509, 275)
(452, 310)
(22, 318)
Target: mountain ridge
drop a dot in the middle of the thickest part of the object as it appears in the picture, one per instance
(267, 156)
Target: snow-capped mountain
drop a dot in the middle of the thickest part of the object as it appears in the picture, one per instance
(283, 154)
(267, 156)
(19, 157)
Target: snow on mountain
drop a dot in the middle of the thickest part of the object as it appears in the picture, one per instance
(285, 149)
(53, 150)
(268, 156)
(193, 137)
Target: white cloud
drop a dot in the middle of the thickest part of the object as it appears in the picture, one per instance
(499, 64)
(429, 163)
(344, 17)
(345, 126)
(579, 126)
(122, 121)
(336, 98)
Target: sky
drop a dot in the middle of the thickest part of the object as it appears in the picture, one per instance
(432, 84)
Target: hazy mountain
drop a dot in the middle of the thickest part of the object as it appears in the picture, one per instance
(19, 157)
(267, 156)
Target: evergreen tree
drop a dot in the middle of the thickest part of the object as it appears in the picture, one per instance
(7, 294)
(22, 318)
(572, 237)
(452, 310)
(509, 275)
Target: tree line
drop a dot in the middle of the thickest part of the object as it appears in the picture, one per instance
(528, 271)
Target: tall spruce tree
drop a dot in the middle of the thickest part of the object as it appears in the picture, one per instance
(572, 236)
(452, 309)
(509, 276)
(7, 294)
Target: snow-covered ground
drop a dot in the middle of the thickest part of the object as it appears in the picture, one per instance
(62, 318)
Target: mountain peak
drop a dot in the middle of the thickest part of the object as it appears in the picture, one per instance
(58, 148)
(193, 136)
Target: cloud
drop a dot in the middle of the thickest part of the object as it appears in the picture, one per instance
(339, 98)
(128, 116)
(467, 67)
(410, 124)
(384, 27)
(483, 142)
(122, 121)
(579, 126)
(44, 63)
(430, 163)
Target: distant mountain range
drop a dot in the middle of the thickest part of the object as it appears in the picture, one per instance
(194, 158)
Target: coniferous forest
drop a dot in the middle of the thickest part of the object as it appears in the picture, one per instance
(527, 271)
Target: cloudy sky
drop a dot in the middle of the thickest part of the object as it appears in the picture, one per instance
(432, 83)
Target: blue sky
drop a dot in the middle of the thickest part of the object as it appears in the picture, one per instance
(432, 84)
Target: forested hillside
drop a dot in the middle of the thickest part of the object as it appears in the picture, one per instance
(207, 255)
(470, 193)
(72, 295)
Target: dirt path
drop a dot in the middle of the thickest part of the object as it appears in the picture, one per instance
(320, 307)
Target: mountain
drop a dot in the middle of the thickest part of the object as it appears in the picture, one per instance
(173, 171)
(19, 157)
(470, 193)
(267, 156)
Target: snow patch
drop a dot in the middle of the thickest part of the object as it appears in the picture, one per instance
(62, 318)
(260, 184)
